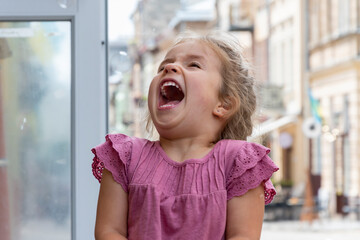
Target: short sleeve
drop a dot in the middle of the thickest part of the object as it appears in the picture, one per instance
(251, 167)
(114, 155)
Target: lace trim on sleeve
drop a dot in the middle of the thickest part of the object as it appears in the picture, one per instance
(115, 156)
(252, 167)
(97, 167)
(269, 191)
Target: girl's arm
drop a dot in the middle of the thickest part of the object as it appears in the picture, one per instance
(245, 215)
(112, 210)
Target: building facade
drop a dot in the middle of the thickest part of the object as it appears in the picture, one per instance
(334, 77)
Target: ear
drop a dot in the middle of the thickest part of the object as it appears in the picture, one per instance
(224, 109)
(219, 111)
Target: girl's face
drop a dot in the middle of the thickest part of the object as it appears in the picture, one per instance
(185, 92)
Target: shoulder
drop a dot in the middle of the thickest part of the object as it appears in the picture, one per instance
(120, 140)
(241, 145)
(252, 149)
(248, 167)
(243, 151)
(116, 153)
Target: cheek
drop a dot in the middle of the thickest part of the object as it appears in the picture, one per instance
(204, 101)
(152, 88)
(151, 95)
(205, 93)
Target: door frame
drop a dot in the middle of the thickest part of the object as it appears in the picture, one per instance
(89, 93)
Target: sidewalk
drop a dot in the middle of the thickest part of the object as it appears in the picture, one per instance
(319, 229)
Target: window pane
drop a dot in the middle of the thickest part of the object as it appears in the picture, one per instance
(35, 158)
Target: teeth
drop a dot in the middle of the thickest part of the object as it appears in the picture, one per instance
(166, 105)
(163, 91)
(170, 83)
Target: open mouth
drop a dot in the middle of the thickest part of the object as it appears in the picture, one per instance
(171, 94)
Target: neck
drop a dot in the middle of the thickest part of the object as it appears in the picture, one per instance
(186, 148)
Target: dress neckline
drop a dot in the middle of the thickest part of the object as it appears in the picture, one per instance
(203, 159)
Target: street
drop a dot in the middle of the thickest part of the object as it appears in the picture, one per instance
(338, 229)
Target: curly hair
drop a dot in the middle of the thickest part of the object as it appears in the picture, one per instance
(237, 89)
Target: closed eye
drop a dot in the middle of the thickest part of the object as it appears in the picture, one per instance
(160, 68)
(195, 64)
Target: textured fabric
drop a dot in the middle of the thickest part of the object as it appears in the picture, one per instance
(172, 200)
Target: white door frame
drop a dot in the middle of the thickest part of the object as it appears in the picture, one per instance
(89, 92)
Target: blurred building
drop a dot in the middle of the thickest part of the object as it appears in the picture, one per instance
(120, 101)
(306, 57)
(279, 66)
(334, 77)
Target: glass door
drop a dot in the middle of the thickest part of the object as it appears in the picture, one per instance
(53, 110)
(35, 129)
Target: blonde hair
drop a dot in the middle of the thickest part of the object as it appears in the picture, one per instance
(237, 88)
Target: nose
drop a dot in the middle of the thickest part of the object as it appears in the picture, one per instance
(171, 67)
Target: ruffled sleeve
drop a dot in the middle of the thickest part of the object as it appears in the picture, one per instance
(251, 167)
(114, 155)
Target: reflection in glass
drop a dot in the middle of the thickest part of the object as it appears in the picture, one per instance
(35, 80)
(65, 3)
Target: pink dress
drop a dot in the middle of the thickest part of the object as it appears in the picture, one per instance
(173, 200)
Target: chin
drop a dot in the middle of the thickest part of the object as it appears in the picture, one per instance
(168, 132)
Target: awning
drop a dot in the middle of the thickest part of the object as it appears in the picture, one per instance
(272, 125)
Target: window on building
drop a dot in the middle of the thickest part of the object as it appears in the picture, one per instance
(344, 16)
(314, 22)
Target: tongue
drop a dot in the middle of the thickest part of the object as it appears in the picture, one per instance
(168, 104)
(172, 102)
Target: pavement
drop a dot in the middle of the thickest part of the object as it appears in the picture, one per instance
(319, 229)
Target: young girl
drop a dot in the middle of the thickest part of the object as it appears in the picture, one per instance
(200, 180)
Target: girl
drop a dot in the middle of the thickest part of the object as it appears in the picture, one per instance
(200, 180)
